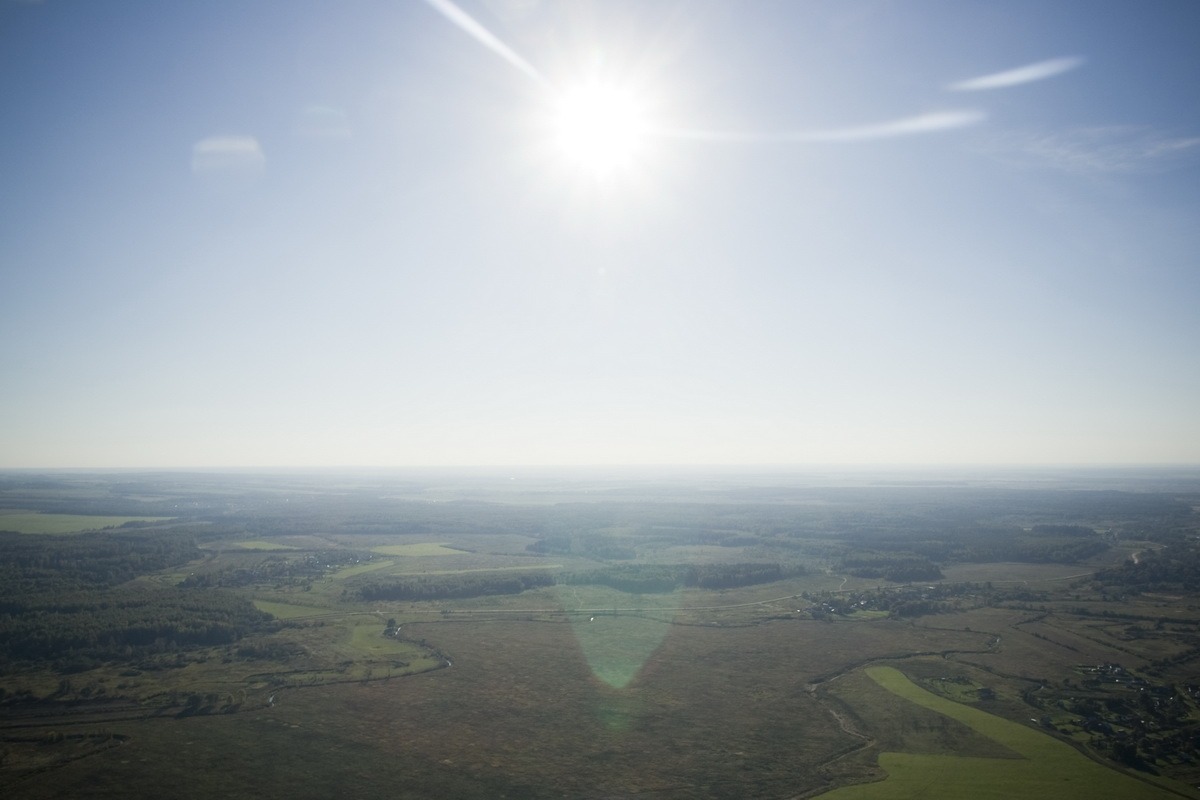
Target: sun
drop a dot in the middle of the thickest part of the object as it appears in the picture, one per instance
(599, 129)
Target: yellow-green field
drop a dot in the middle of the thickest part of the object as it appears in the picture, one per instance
(368, 642)
(262, 544)
(358, 569)
(33, 522)
(1048, 767)
(417, 549)
(288, 610)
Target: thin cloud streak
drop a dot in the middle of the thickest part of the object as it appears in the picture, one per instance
(321, 122)
(1016, 77)
(922, 123)
(222, 153)
(468, 25)
(1117, 149)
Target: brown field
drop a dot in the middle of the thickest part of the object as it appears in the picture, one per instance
(713, 712)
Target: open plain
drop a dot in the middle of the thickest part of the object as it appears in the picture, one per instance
(763, 636)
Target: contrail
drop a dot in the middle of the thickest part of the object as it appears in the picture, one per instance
(467, 24)
(1015, 77)
(923, 123)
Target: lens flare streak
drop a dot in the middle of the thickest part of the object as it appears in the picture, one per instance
(468, 25)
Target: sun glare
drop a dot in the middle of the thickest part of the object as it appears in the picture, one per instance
(598, 129)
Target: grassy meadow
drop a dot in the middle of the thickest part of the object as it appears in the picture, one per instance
(58, 524)
(262, 544)
(417, 550)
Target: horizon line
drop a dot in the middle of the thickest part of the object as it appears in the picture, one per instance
(776, 466)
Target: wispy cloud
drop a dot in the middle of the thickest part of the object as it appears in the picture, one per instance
(1016, 77)
(1102, 150)
(227, 154)
(922, 123)
(321, 122)
(907, 126)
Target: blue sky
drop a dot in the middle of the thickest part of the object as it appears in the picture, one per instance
(302, 233)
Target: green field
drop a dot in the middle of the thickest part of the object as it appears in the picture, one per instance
(417, 549)
(1048, 767)
(368, 642)
(358, 569)
(32, 522)
(288, 610)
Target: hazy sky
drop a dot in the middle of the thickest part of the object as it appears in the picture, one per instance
(529, 232)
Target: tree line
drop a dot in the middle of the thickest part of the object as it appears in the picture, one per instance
(633, 578)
